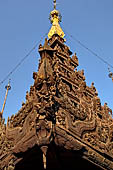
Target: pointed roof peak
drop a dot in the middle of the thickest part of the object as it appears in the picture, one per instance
(46, 43)
(46, 47)
(55, 18)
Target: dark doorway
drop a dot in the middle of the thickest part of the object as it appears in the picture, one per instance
(32, 159)
(58, 158)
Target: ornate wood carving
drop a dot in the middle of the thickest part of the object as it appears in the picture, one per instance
(60, 107)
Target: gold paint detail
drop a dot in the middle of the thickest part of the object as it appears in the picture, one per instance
(55, 18)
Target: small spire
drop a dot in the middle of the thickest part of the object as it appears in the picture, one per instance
(54, 4)
(8, 87)
(46, 47)
(55, 18)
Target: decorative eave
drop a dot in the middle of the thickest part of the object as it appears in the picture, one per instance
(60, 112)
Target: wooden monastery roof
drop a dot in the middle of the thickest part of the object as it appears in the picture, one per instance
(62, 124)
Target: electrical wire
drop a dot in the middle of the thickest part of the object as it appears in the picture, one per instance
(91, 51)
(27, 55)
(21, 61)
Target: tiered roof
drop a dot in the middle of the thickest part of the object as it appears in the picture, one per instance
(60, 109)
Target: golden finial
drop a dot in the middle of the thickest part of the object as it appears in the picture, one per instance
(55, 18)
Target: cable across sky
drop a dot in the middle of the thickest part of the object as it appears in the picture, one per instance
(21, 61)
(28, 54)
(91, 51)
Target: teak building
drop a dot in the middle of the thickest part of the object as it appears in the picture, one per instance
(62, 124)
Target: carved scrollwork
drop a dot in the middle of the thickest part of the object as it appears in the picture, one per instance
(5, 144)
(44, 132)
(98, 159)
(60, 107)
(61, 117)
(65, 140)
(103, 132)
(10, 166)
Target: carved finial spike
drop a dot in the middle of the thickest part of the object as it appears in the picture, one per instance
(44, 160)
(44, 150)
(54, 4)
(46, 43)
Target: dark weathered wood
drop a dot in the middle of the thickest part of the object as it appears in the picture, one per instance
(61, 109)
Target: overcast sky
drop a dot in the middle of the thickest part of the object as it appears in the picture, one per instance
(24, 22)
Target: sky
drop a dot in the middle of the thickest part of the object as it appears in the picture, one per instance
(23, 23)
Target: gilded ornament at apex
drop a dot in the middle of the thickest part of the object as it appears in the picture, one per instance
(55, 18)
